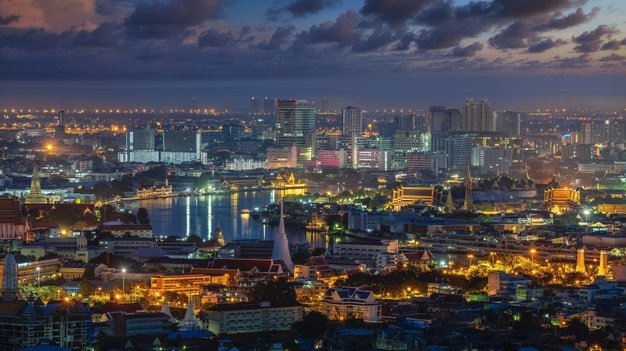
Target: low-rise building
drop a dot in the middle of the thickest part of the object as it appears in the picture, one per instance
(377, 254)
(189, 283)
(252, 317)
(351, 303)
(505, 285)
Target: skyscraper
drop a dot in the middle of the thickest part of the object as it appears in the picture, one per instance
(443, 120)
(269, 105)
(478, 116)
(352, 121)
(181, 140)
(295, 123)
(254, 106)
(511, 122)
(140, 139)
(438, 119)
(603, 132)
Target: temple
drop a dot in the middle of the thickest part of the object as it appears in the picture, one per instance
(35, 196)
(468, 204)
(281, 243)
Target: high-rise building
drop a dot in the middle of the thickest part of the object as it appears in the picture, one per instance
(438, 119)
(511, 122)
(324, 107)
(458, 149)
(269, 106)
(61, 118)
(492, 160)
(181, 140)
(140, 139)
(603, 132)
(455, 120)
(295, 123)
(352, 121)
(254, 105)
(444, 120)
(478, 116)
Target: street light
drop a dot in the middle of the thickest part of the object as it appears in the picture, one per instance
(38, 277)
(586, 212)
(123, 281)
(471, 258)
(532, 255)
(493, 258)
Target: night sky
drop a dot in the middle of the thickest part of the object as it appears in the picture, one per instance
(372, 53)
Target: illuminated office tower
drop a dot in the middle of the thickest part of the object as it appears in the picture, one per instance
(511, 122)
(478, 116)
(295, 123)
(352, 121)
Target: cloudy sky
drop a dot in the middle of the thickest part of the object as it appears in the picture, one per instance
(374, 53)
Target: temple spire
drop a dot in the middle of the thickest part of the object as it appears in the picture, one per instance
(450, 201)
(35, 196)
(468, 204)
(281, 243)
(9, 279)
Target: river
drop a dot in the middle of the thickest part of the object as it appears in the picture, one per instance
(200, 215)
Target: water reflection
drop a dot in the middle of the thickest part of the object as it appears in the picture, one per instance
(201, 215)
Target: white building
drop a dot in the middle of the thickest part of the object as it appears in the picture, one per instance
(378, 254)
(351, 303)
(252, 317)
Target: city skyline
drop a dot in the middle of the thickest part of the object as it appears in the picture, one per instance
(558, 53)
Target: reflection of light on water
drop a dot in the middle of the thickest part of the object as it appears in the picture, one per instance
(209, 209)
(316, 239)
(234, 202)
(188, 214)
(245, 224)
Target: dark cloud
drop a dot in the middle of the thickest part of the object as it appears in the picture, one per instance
(611, 45)
(113, 7)
(516, 36)
(578, 62)
(107, 34)
(613, 57)
(393, 12)
(6, 20)
(467, 51)
(159, 20)
(280, 38)
(591, 41)
(302, 8)
(344, 31)
(545, 45)
(379, 38)
(299, 8)
(521, 8)
(36, 39)
(571, 20)
(214, 38)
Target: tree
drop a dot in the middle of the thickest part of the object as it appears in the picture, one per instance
(578, 328)
(142, 216)
(313, 325)
(274, 291)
